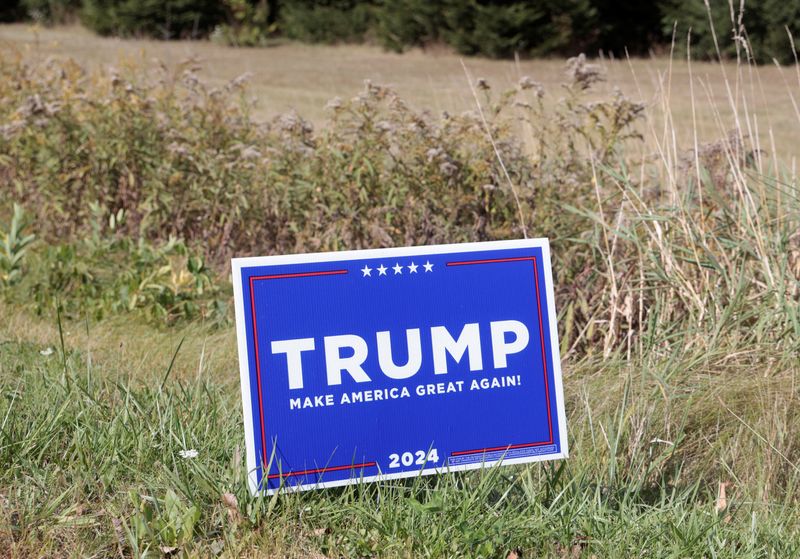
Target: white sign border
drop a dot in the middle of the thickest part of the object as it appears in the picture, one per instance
(237, 264)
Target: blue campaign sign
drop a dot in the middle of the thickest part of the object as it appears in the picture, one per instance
(388, 363)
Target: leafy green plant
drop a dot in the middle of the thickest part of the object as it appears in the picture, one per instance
(166, 281)
(161, 526)
(183, 161)
(14, 248)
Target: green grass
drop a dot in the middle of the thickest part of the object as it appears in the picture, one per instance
(90, 466)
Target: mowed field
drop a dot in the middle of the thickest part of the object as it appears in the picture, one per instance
(676, 255)
(305, 77)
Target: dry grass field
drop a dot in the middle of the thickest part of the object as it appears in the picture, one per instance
(305, 77)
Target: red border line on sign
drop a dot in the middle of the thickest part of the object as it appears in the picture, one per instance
(323, 470)
(299, 275)
(544, 356)
(264, 460)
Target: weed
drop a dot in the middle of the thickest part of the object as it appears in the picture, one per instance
(109, 273)
(14, 248)
(184, 161)
(164, 524)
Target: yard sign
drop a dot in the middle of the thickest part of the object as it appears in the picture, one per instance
(390, 363)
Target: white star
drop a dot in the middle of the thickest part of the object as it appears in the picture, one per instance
(413, 268)
(366, 270)
(398, 269)
(381, 270)
(428, 266)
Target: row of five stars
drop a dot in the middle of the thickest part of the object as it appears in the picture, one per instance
(398, 269)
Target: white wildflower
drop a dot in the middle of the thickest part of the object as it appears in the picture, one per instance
(527, 83)
(384, 126)
(250, 152)
(448, 169)
(188, 454)
(433, 153)
(241, 80)
(177, 149)
(46, 351)
(334, 104)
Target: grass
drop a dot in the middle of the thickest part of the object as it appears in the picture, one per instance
(90, 459)
(305, 77)
(679, 312)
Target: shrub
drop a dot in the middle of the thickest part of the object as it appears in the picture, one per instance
(326, 21)
(108, 273)
(101, 276)
(166, 19)
(182, 161)
(248, 24)
(51, 11)
(186, 162)
(168, 153)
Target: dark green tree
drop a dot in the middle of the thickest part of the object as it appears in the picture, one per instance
(11, 10)
(627, 25)
(501, 28)
(782, 19)
(326, 21)
(758, 33)
(407, 23)
(166, 19)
